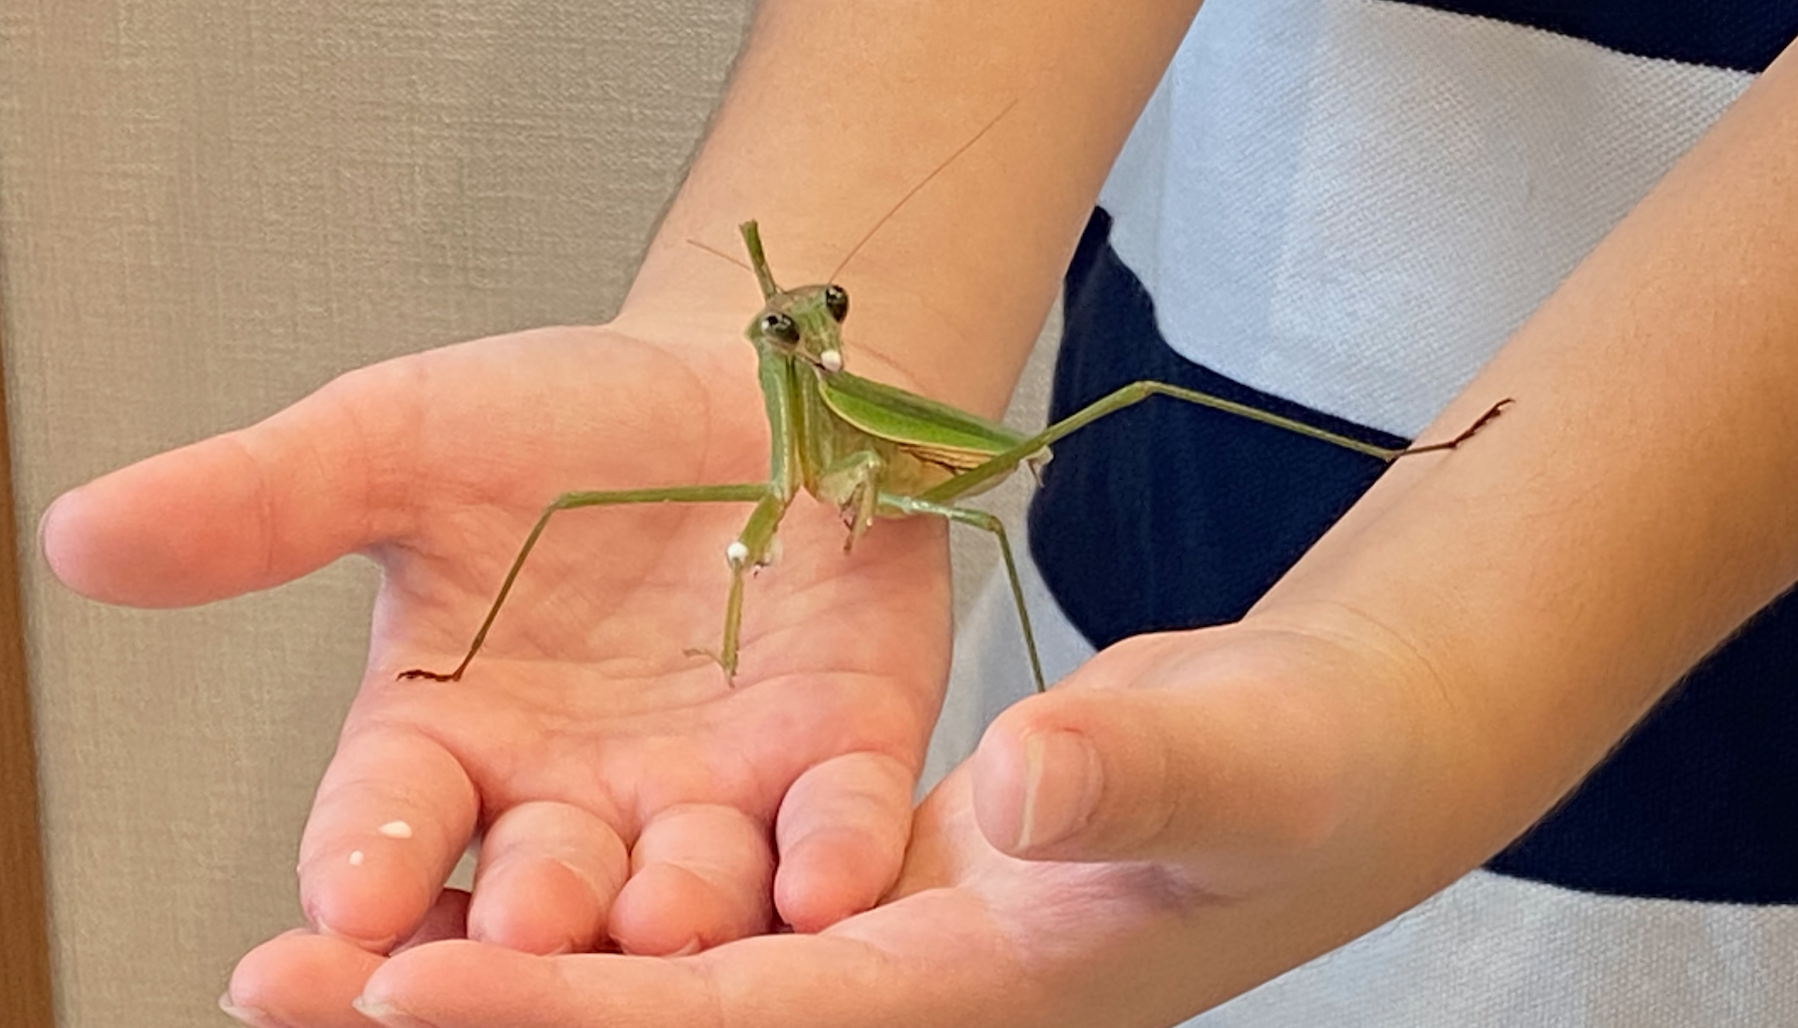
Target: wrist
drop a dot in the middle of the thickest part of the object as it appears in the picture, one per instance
(702, 288)
(1498, 710)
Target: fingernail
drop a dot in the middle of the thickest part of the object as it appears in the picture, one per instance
(386, 1014)
(248, 1015)
(1062, 782)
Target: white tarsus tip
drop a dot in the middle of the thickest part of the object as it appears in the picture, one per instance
(736, 554)
(396, 830)
(775, 549)
(831, 360)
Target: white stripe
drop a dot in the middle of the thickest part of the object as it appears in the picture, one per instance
(1351, 203)
(991, 669)
(1492, 950)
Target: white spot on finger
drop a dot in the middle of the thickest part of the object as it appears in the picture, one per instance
(396, 830)
(356, 858)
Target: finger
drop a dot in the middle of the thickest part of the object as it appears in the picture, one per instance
(393, 814)
(272, 502)
(300, 978)
(938, 958)
(1237, 774)
(787, 981)
(547, 877)
(700, 876)
(447, 919)
(474, 985)
(841, 834)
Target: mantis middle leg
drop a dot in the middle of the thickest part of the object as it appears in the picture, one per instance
(758, 492)
(987, 522)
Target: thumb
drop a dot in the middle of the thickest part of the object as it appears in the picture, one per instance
(241, 511)
(1154, 751)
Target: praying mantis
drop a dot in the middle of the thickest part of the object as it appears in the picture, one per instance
(873, 451)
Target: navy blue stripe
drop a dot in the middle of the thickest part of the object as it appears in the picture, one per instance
(1744, 35)
(1171, 516)
(1701, 802)
(1168, 515)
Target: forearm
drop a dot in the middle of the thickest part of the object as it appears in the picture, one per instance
(838, 109)
(1559, 573)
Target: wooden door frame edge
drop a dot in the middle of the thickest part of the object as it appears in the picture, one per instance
(26, 1000)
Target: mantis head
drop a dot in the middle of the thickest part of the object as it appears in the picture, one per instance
(805, 322)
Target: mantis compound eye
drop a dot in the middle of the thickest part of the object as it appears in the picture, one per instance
(780, 328)
(836, 301)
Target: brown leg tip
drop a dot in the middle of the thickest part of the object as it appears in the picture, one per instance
(1472, 430)
(730, 673)
(418, 672)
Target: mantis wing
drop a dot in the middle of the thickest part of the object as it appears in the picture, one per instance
(933, 431)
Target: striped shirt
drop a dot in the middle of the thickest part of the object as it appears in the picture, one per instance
(1338, 210)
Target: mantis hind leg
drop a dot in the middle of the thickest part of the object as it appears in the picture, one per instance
(571, 501)
(1002, 463)
(990, 523)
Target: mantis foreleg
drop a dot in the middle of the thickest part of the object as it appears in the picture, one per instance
(739, 493)
(852, 484)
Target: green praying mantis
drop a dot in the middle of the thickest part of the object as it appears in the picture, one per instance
(873, 451)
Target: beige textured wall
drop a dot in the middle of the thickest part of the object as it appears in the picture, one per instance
(207, 209)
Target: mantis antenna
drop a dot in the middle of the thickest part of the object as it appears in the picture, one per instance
(915, 190)
(888, 216)
(715, 252)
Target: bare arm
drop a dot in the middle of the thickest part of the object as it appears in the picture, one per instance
(1639, 503)
(837, 110)
(1507, 611)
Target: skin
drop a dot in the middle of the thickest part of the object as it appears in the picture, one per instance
(1186, 816)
